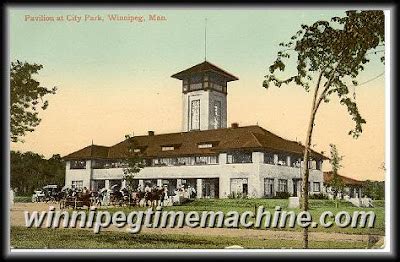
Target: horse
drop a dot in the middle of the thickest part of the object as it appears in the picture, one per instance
(137, 197)
(75, 199)
(83, 199)
(116, 197)
(155, 195)
(95, 198)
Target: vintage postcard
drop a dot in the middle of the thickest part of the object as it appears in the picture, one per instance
(148, 129)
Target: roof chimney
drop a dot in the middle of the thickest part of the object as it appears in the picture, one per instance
(151, 133)
(234, 125)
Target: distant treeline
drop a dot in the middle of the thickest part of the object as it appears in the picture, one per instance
(374, 189)
(31, 171)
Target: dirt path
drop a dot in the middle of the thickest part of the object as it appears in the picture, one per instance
(17, 219)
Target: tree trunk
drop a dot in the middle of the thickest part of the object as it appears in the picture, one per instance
(305, 174)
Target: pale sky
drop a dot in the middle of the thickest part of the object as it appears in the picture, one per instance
(113, 79)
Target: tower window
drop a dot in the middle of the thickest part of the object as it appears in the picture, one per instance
(217, 114)
(195, 114)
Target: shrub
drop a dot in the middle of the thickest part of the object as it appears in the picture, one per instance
(318, 196)
(281, 195)
(235, 195)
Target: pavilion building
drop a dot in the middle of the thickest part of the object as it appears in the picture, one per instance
(217, 160)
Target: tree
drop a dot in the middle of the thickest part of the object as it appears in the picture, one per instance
(26, 97)
(30, 171)
(134, 162)
(330, 56)
(336, 184)
(374, 189)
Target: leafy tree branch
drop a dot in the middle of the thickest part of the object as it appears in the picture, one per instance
(26, 98)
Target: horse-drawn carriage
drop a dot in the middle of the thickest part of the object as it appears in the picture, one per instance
(123, 197)
(76, 200)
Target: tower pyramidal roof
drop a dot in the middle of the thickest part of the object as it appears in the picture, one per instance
(202, 68)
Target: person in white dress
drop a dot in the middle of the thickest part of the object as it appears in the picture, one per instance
(11, 198)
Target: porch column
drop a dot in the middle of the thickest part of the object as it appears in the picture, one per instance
(290, 186)
(159, 182)
(275, 186)
(199, 188)
(123, 183)
(178, 183)
(107, 184)
(141, 183)
(275, 159)
(92, 185)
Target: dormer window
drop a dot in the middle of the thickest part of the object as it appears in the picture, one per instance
(167, 148)
(207, 145)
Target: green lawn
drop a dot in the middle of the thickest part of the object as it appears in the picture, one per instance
(23, 199)
(316, 208)
(22, 237)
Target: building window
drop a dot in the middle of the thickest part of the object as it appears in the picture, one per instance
(296, 162)
(115, 183)
(77, 184)
(97, 185)
(185, 161)
(195, 115)
(196, 82)
(312, 164)
(239, 186)
(217, 114)
(282, 160)
(319, 165)
(167, 148)
(269, 158)
(282, 185)
(78, 164)
(239, 157)
(217, 83)
(208, 145)
(316, 187)
(206, 160)
(180, 161)
(100, 164)
(269, 187)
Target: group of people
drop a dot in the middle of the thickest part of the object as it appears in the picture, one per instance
(180, 194)
(185, 192)
(104, 196)
(182, 191)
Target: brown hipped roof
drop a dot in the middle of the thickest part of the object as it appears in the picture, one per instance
(328, 176)
(186, 144)
(204, 67)
(92, 151)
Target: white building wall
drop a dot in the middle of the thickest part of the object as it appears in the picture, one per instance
(216, 96)
(254, 172)
(289, 173)
(204, 105)
(207, 99)
(78, 174)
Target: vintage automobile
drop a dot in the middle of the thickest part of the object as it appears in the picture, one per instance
(46, 193)
(38, 196)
